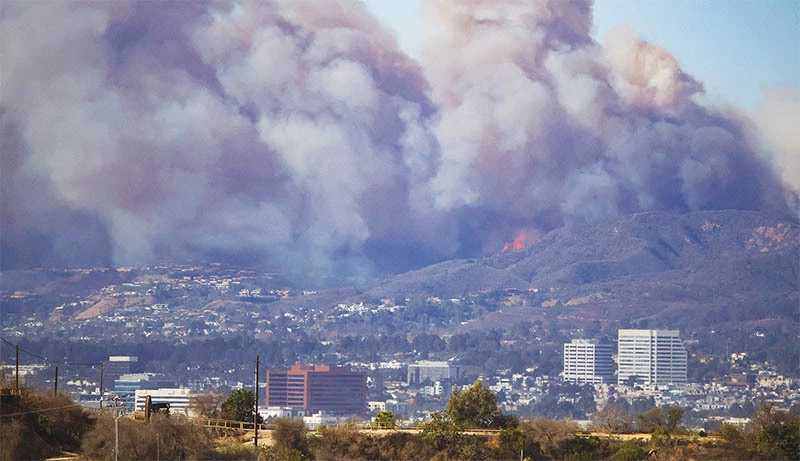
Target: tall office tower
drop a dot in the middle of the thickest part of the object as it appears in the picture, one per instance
(314, 389)
(650, 357)
(588, 362)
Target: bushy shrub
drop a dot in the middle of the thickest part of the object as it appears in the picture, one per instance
(37, 425)
(163, 437)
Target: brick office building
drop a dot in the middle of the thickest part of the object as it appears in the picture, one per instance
(318, 389)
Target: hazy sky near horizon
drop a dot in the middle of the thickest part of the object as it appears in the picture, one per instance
(736, 48)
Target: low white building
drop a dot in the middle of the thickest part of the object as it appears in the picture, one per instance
(281, 412)
(374, 406)
(177, 398)
(433, 390)
(318, 420)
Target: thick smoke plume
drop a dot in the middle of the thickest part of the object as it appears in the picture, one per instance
(296, 134)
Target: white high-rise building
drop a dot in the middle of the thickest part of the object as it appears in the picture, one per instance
(587, 362)
(651, 357)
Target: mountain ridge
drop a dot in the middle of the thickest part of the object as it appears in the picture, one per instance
(652, 242)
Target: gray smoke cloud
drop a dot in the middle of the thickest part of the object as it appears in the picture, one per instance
(539, 121)
(296, 134)
(775, 121)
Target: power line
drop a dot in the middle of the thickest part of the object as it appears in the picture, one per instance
(52, 362)
(23, 350)
(41, 410)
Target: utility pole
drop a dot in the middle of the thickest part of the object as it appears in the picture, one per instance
(255, 416)
(116, 428)
(55, 385)
(16, 373)
(101, 385)
(148, 408)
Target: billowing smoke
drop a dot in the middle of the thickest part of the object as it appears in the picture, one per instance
(776, 125)
(296, 134)
(540, 123)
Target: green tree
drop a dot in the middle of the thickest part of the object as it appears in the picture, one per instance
(661, 439)
(240, 406)
(779, 441)
(630, 450)
(440, 432)
(385, 420)
(510, 443)
(475, 406)
(578, 448)
(660, 418)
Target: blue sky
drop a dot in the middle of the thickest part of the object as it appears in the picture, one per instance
(737, 48)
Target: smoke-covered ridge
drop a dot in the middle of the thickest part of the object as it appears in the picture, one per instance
(296, 134)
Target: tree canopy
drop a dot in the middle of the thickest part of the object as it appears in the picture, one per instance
(657, 417)
(240, 406)
(475, 406)
(386, 420)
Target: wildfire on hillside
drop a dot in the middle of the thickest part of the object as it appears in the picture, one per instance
(523, 238)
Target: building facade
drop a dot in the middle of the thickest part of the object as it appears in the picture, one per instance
(318, 389)
(588, 362)
(178, 399)
(651, 357)
(427, 370)
(117, 366)
(125, 386)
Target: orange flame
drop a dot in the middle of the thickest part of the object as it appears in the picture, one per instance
(522, 239)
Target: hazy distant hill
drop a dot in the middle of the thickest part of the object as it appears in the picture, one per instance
(724, 278)
(669, 268)
(696, 272)
(706, 243)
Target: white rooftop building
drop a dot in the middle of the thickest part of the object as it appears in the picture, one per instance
(177, 398)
